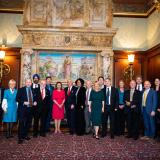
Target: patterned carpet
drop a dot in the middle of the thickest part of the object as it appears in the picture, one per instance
(67, 147)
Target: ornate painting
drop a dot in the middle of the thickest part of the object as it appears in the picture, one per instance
(68, 12)
(66, 65)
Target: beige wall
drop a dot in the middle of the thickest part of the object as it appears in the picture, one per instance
(132, 34)
(8, 31)
(153, 30)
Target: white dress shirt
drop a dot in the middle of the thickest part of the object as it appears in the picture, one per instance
(139, 87)
(35, 85)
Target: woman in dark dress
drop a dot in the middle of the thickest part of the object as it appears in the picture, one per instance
(96, 107)
(79, 107)
(120, 119)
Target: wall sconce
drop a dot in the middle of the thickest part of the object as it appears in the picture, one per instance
(129, 71)
(157, 5)
(4, 68)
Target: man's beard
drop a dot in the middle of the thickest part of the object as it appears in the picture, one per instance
(35, 81)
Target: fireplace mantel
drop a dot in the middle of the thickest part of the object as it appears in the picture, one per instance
(55, 25)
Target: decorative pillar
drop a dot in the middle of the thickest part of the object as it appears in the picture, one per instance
(107, 61)
(26, 64)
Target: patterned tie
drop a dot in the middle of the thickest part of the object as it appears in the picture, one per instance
(144, 99)
(30, 97)
(107, 97)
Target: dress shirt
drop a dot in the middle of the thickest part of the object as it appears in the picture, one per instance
(35, 85)
(89, 92)
(131, 94)
(139, 87)
(145, 93)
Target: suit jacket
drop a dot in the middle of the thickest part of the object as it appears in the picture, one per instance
(114, 100)
(35, 89)
(43, 104)
(136, 101)
(1, 98)
(2, 94)
(50, 90)
(81, 97)
(21, 98)
(71, 99)
(151, 101)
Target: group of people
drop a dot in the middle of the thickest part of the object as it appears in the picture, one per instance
(88, 107)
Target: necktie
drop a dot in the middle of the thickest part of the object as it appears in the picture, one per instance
(144, 99)
(87, 96)
(69, 91)
(138, 87)
(42, 93)
(30, 97)
(107, 96)
(131, 95)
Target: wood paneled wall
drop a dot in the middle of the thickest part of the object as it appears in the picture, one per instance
(147, 64)
(12, 58)
(152, 63)
(121, 62)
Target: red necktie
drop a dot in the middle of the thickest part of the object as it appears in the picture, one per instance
(42, 93)
(69, 91)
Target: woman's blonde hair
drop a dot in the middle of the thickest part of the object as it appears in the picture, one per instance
(11, 81)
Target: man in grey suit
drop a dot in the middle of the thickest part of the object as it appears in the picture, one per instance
(86, 112)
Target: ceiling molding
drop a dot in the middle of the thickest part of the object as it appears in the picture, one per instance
(135, 15)
(115, 14)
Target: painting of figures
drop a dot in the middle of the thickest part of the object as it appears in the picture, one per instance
(64, 65)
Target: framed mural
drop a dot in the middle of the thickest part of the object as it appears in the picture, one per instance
(67, 65)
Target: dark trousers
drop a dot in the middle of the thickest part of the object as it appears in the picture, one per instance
(39, 115)
(70, 113)
(49, 118)
(157, 119)
(79, 121)
(119, 122)
(24, 122)
(108, 113)
(133, 121)
(1, 113)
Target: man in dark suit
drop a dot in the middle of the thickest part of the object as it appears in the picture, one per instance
(132, 99)
(139, 87)
(1, 98)
(40, 111)
(26, 99)
(149, 105)
(49, 116)
(35, 84)
(70, 102)
(111, 105)
(139, 84)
